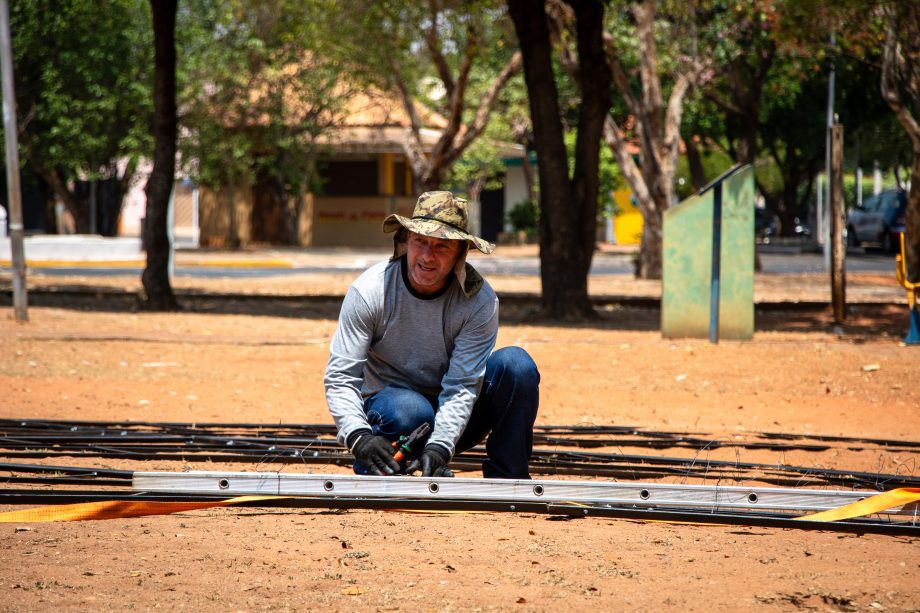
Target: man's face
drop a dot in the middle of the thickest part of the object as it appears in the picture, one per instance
(431, 261)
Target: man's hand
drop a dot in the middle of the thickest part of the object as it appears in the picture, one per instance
(433, 463)
(376, 453)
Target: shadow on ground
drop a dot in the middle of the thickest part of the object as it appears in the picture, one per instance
(864, 321)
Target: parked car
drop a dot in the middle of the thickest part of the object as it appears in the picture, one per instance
(878, 221)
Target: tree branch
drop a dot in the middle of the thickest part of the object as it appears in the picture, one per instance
(726, 105)
(890, 65)
(412, 140)
(620, 78)
(486, 106)
(457, 100)
(433, 42)
(614, 138)
(648, 67)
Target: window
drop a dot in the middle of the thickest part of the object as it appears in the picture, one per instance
(348, 178)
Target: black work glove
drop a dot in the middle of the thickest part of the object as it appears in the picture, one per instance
(433, 463)
(376, 453)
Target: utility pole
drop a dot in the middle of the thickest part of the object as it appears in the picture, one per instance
(20, 299)
(837, 222)
(824, 237)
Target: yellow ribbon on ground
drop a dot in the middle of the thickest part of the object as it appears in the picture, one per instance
(868, 506)
(116, 509)
(120, 509)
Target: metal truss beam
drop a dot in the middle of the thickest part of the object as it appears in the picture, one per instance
(767, 520)
(712, 498)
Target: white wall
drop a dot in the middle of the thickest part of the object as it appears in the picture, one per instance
(515, 190)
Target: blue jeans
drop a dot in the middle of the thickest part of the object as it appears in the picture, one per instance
(505, 411)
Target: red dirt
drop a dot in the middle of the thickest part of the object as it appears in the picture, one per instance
(236, 364)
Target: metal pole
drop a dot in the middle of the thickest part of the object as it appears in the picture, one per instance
(714, 290)
(827, 158)
(837, 221)
(859, 186)
(819, 211)
(20, 299)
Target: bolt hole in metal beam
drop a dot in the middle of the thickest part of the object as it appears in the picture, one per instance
(223, 484)
(594, 493)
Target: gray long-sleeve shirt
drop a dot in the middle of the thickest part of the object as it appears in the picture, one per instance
(390, 335)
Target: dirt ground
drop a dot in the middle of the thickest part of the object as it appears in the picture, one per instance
(262, 362)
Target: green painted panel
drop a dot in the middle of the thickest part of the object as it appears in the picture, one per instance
(687, 263)
(736, 299)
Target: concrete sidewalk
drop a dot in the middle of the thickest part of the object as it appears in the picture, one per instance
(74, 248)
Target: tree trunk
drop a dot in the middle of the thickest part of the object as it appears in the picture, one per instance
(568, 220)
(649, 263)
(658, 131)
(899, 74)
(294, 205)
(650, 258)
(268, 209)
(157, 289)
(695, 162)
(233, 230)
(912, 225)
(77, 208)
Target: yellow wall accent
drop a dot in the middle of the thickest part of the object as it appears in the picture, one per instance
(627, 225)
(385, 174)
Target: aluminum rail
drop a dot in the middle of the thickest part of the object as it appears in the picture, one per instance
(768, 520)
(550, 492)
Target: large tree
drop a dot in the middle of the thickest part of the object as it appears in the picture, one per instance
(901, 89)
(158, 294)
(768, 87)
(260, 83)
(654, 86)
(568, 200)
(83, 99)
(448, 56)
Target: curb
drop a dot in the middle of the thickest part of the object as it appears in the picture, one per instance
(140, 263)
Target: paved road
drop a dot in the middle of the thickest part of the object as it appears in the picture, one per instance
(621, 264)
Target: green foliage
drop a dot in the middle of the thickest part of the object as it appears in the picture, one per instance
(442, 59)
(715, 162)
(525, 217)
(83, 83)
(256, 88)
(609, 175)
(771, 62)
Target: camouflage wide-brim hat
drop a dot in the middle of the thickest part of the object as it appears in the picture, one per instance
(439, 215)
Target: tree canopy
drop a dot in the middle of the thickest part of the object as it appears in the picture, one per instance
(83, 95)
(666, 85)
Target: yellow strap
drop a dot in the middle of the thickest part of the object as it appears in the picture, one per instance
(115, 509)
(868, 506)
(118, 509)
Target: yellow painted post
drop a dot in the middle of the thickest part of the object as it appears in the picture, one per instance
(913, 330)
(385, 179)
